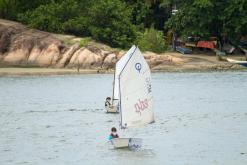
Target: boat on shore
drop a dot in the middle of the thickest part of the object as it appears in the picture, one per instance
(243, 63)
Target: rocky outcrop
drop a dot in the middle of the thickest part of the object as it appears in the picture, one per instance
(22, 46)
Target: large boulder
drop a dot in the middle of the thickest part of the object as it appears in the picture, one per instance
(109, 61)
(86, 59)
(29, 47)
(67, 56)
(49, 56)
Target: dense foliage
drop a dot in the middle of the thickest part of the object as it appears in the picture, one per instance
(121, 23)
(106, 21)
(206, 18)
(153, 40)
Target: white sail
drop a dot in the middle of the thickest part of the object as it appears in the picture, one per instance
(119, 67)
(136, 100)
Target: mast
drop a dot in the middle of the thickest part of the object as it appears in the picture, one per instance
(113, 85)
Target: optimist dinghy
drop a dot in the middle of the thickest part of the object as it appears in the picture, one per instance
(133, 95)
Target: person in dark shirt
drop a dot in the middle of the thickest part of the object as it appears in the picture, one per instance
(108, 102)
(113, 133)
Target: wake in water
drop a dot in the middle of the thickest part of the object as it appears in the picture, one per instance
(67, 110)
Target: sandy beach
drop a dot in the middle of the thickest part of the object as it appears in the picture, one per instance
(42, 71)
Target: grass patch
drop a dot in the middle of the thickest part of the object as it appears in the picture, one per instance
(68, 41)
(84, 41)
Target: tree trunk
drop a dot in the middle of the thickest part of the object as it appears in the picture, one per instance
(174, 39)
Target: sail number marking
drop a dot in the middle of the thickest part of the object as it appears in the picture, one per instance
(138, 67)
(148, 85)
(141, 105)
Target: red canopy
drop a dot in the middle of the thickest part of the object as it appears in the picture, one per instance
(206, 44)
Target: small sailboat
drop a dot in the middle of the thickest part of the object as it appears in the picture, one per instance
(243, 63)
(133, 95)
(114, 108)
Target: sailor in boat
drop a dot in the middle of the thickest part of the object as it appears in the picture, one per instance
(108, 103)
(113, 134)
(109, 107)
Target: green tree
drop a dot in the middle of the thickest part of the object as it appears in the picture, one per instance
(110, 22)
(152, 40)
(140, 10)
(235, 19)
(193, 18)
(206, 18)
(9, 9)
(50, 17)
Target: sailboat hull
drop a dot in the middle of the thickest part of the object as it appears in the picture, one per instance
(112, 109)
(243, 63)
(131, 143)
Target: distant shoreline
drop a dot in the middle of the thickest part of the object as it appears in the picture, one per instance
(42, 71)
(53, 71)
(33, 52)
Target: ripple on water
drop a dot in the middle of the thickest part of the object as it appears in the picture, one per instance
(198, 121)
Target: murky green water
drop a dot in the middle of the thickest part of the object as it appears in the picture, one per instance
(201, 118)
